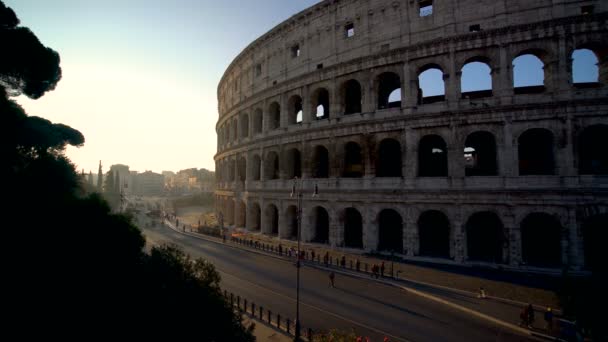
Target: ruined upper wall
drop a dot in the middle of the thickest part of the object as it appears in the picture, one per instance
(379, 26)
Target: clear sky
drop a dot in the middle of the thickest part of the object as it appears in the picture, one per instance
(140, 76)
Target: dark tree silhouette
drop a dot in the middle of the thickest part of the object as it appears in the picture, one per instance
(72, 268)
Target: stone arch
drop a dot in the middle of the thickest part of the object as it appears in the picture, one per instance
(271, 166)
(272, 219)
(431, 86)
(258, 121)
(244, 120)
(242, 168)
(476, 78)
(595, 234)
(351, 95)
(354, 166)
(388, 162)
(434, 234)
(255, 214)
(320, 225)
(592, 152)
(274, 116)
(320, 103)
(353, 228)
(241, 215)
(536, 152)
(294, 110)
(320, 166)
(541, 238)
(485, 237)
(529, 72)
(291, 222)
(256, 168)
(293, 163)
(390, 231)
(480, 154)
(388, 90)
(432, 157)
(229, 218)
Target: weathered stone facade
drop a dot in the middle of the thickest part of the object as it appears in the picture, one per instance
(310, 99)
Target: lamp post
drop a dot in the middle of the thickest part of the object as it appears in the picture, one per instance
(296, 191)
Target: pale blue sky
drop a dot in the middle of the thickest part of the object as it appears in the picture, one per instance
(140, 76)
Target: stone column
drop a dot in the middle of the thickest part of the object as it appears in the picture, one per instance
(307, 110)
(367, 93)
(564, 153)
(264, 220)
(284, 111)
(514, 236)
(458, 242)
(452, 81)
(507, 153)
(575, 254)
(336, 109)
(370, 227)
(410, 165)
(455, 147)
(505, 76)
(410, 82)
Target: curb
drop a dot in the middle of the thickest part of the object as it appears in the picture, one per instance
(471, 312)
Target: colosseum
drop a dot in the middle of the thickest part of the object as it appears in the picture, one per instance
(510, 174)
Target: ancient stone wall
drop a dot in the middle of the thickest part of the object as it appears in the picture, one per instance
(509, 175)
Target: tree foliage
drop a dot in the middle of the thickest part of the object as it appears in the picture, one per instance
(72, 268)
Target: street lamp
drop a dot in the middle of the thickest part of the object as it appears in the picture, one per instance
(296, 191)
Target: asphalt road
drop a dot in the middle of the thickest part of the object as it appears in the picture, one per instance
(368, 308)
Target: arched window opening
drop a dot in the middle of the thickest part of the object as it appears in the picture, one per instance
(291, 220)
(389, 84)
(274, 116)
(432, 157)
(321, 225)
(245, 126)
(480, 154)
(294, 164)
(257, 165)
(390, 231)
(485, 238)
(352, 97)
(258, 121)
(592, 152)
(476, 80)
(230, 212)
(320, 163)
(353, 228)
(255, 216)
(271, 166)
(353, 161)
(389, 159)
(295, 110)
(321, 103)
(541, 240)
(241, 218)
(528, 74)
(431, 85)
(595, 236)
(585, 68)
(535, 149)
(272, 217)
(434, 234)
(242, 168)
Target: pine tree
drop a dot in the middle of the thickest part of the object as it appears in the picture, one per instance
(91, 179)
(100, 179)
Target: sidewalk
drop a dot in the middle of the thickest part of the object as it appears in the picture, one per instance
(263, 332)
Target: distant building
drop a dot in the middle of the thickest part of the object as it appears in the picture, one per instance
(147, 184)
(124, 177)
(189, 181)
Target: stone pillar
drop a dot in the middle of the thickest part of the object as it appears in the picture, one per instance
(336, 226)
(368, 151)
(410, 78)
(564, 153)
(336, 158)
(451, 80)
(284, 111)
(514, 236)
(283, 225)
(575, 254)
(307, 110)
(370, 227)
(410, 165)
(507, 153)
(458, 243)
(455, 147)
(306, 160)
(336, 109)
(367, 93)
(505, 76)
(264, 219)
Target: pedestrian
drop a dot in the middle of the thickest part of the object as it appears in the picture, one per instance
(530, 320)
(312, 255)
(343, 261)
(224, 237)
(549, 319)
(326, 258)
(523, 316)
(332, 276)
(357, 265)
(482, 293)
(280, 249)
(382, 269)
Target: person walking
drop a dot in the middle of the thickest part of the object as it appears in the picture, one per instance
(530, 316)
(332, 277)
(382, 269)
(357, 265)
(549, 320)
